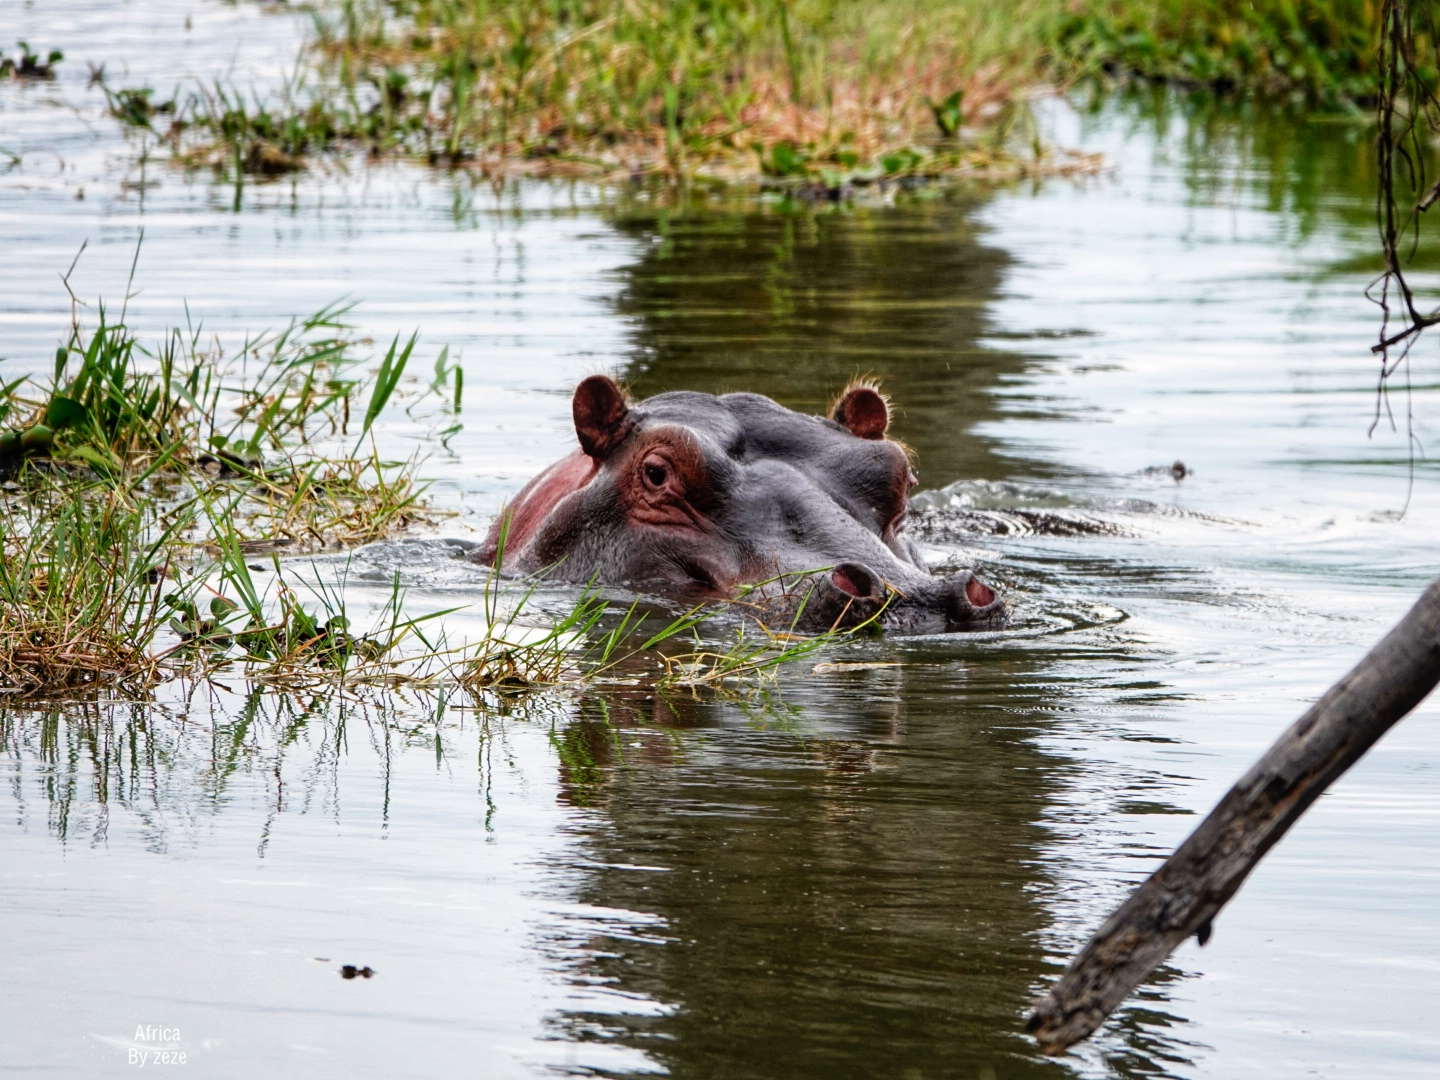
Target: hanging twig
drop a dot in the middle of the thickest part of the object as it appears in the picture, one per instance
(1407, 113)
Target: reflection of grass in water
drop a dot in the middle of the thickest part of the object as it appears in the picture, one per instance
(174, 763)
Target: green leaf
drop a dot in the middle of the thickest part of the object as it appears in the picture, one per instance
(63, 412)
(391, 368)
(105, 465)
(220, 606)
(949, 114)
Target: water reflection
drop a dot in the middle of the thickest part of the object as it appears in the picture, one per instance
(852, 891)
(794, 300)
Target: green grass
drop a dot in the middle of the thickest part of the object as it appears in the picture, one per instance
(84, 567)
(138, 487)
(830, 93)
(132, 475)
(270, 423)
(820, 91)
(591, 646)
(1319, 52)
(691, 86)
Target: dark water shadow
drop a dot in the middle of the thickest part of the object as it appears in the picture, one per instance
(795, 300)
(851, 884)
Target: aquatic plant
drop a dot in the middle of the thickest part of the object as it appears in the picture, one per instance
(824, 93)
(29, 65)
(184, 417)
(83, 569)
(132, 468)
(588, 645)
(688, 88)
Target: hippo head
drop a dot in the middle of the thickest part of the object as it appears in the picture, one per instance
(717, 497)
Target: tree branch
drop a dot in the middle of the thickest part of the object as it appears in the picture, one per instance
(1184, 895)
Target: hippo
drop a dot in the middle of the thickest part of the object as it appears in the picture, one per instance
(735, 497)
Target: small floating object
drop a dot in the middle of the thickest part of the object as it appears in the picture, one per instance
(266, 159)
(1177, 472)
(853, 665)
(350, 971)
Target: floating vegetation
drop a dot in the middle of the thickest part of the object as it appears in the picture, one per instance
(29, 65)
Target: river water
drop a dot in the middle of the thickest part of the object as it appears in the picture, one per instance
(871, 871)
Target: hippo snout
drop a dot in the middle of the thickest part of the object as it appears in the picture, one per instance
(850, 593)
(944, 605)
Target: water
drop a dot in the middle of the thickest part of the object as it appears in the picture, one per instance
(873, 873)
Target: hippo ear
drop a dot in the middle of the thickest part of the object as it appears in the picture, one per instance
(862, 410)
(602, 418)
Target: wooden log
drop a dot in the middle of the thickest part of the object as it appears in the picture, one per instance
(1183, 896)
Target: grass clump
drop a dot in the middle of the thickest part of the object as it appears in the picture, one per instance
(272, 425)
(834, 93)
(691, 87)
(29, 64)
(1318, 53)
(82, 574)
(589, 646)
(130, 474)
(821, 91)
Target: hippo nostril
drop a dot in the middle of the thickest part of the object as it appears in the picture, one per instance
(857, 581)
(978, 593)
(971, 600)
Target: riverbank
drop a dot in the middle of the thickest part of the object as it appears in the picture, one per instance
(821, 95)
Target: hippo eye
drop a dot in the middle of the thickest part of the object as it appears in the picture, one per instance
(656, 473)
